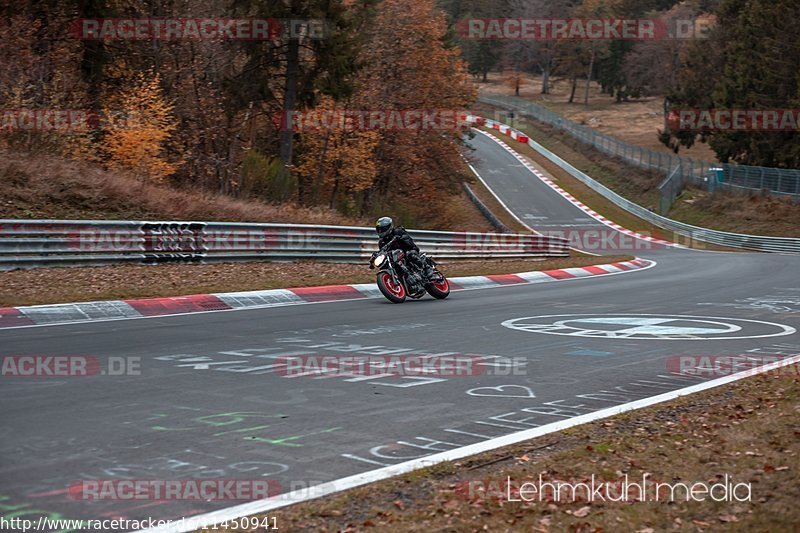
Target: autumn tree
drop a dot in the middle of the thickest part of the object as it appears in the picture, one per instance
(652, 66)
(38, 71)
(748, 61)
(290, 70)
(206, 119)
(410, 64)
(338, 162)
(481, 55)
(138, 124)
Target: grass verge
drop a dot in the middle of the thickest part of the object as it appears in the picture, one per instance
(748, 430)
(588, 196)
(738, 213)
(58, 285)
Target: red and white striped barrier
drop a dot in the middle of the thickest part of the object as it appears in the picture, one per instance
(502, 128)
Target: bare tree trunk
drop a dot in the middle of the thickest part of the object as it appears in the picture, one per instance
(289, 98)
(574, 86)
(546, 67)
(588, 79)
(366, 201)
(333, 193)
(322, 158)
(546, 80)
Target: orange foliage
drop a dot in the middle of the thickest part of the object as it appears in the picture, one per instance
(139, 123)
(409, 66)
(35, 76)
(338, 159)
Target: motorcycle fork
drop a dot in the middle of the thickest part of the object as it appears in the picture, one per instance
(394, 275)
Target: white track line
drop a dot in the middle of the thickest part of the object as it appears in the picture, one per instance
(510, 212)
(339, 485)
(600, 218)
(502, 203)
(571, 199)
(333, 487)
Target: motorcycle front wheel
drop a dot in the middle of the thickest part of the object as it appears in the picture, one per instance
(394, 292)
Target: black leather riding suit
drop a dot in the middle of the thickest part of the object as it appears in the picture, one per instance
(403, 241)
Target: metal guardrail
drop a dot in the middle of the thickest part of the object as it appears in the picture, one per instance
(693, 233)
(483, 208)
(743, 178)
(45, 243)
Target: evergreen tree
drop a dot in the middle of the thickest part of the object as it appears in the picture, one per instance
(749, 61)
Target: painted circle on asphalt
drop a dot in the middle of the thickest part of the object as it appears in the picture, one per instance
(648, 327)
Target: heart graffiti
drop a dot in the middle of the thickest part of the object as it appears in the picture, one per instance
(502, 391)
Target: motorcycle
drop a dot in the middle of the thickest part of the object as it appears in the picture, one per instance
(397, 279)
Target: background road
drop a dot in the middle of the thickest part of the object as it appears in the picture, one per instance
(532, 200)
(210, 402)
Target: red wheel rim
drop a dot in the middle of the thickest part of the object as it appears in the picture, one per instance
(442, 285)
(394, 288)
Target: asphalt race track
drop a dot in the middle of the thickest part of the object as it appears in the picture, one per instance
(210, 401)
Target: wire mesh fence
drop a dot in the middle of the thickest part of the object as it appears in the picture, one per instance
(684, 234)
(732, 178)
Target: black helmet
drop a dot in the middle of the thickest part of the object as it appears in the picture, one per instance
(383, 226)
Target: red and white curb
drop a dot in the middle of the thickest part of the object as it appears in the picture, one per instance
(49, 315)
(577, 203)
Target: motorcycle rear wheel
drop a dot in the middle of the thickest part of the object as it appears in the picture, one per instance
(439, 289)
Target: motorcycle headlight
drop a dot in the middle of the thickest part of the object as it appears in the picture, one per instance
(379, 260)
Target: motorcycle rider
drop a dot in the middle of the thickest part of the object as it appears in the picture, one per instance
(400, 239)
